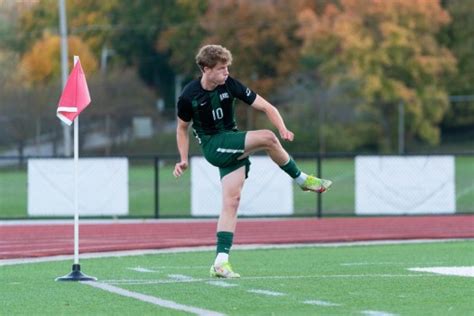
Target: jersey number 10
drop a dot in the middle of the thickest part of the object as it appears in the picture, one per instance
(217, 114)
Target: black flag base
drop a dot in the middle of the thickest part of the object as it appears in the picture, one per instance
(76, 275)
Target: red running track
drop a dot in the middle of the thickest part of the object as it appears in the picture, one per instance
(25, 240)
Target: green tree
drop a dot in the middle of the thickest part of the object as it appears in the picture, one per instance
(459, 37)
(181, 39)
(386, 53)
(139, 27)
(87, 19)
(41, 64)
(261, 36)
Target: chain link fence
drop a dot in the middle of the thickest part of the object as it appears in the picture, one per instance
(155, 193)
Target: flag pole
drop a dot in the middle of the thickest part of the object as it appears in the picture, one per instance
(76, 184)
(76, 274)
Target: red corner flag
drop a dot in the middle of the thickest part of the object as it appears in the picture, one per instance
(75, 97)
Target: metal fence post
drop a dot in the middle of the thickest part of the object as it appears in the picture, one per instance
(157, 187)
(401, 128)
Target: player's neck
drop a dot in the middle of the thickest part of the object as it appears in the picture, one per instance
(207, 84)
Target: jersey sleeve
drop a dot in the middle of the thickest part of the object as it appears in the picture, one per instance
(240, 91)
(185, 109)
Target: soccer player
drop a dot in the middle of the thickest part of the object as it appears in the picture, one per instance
(208, 102)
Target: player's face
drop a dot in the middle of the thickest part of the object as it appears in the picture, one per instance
(218, 74)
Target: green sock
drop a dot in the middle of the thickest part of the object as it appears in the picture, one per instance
(224, 241)
(291, 168)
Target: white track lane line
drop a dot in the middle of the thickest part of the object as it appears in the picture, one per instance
(152, 299)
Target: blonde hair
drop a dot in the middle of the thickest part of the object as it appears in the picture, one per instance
(210, 55)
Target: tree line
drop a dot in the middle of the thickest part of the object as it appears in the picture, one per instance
(338, 69)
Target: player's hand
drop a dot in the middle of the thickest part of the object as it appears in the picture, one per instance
(179, 168)
(287, 135)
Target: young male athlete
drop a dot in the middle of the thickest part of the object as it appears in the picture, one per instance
(209, 103)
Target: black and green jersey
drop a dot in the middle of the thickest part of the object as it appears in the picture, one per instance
(212, 112)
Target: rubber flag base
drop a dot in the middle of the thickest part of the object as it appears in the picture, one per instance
(76, 275)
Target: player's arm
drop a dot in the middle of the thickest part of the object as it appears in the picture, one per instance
(274, 116)
(182, 140)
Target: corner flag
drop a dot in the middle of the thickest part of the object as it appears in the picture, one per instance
(75, 97)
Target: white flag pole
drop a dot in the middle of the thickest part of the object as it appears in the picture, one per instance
(76, 184)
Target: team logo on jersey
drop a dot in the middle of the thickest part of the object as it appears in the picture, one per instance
(223, 96)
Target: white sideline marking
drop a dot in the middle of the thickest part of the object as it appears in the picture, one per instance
(457, 271)
(274, 277)
(124, 253)
(377, 313)
(180, 267)
(265, 292)
(221, 284)
(107, 254)
(37, 222)
(370, 263)
(321, 303)
(144, 270)
(180, 277)
(153, 300)
(145, 282)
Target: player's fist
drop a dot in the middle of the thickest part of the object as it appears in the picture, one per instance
(287, 135)
(179, 168)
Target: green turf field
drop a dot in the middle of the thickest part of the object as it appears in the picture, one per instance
(340, 200)
(317, 280)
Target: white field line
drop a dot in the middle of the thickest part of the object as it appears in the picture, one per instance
(274, 277)
(108, 254)
(321, 303)
(221, 284)
(348, 264)
(179, 267)
(152, 299)
(456, 271)
(162, 268)
(377, 313)
(181, 277)
(41, 222)
(265, 292)
(5, 262)
(143, 270)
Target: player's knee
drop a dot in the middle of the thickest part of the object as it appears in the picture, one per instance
(233, 202)
(270, 138)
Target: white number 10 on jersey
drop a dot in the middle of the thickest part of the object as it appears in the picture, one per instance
(217, 114)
